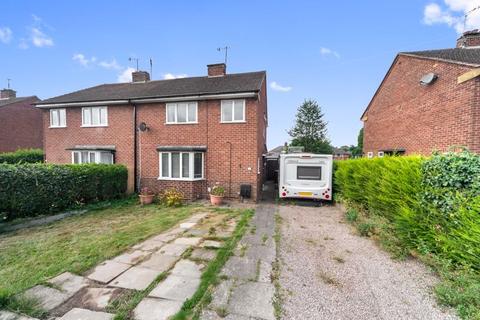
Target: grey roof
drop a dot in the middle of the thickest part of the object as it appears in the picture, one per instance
(230, 83)
(462, 55)
(5, 102)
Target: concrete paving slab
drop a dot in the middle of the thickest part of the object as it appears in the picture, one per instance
(137, 278)
(187, 268)
(164, 237)
(212, 315)
(197, 217)
(221, 294)
(149, 245)
(156, 309)
(84, 314)
(173, 249)
(191, 241)
(187, 225)
(265, 272)
(241, 268)
(203, 254)
(196, 232)
(159, 262)
(98, 298)
(211, 244)
(48, 298)
(267, 254)
(253, 299)
(176, 288)
(108, 270)
(7, 315)
(69, 282)
(132, 257)
(174, 232)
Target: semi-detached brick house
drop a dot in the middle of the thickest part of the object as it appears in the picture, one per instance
(190, 133)
(429, 100)
(21, 123)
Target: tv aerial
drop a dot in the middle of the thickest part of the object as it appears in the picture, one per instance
(466, 17)
(226, 52)
(135, 60)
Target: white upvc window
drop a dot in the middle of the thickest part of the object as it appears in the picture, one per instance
(87, 156)
(233, 110)
(181, 112)
(181, 165)
(381, 154)
(94, 117)
(370, 154)
(58, 118)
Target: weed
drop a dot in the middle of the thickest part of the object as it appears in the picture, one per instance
(264, 239)
(351, 215)
(221, 312)
(366, 229)
(339, 259)
(326, 278)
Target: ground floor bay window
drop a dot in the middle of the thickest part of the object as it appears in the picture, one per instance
(93, 154)
(180, 165)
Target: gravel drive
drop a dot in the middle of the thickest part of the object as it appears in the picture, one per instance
(328, 272)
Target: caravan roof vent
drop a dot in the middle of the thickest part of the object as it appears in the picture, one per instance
(428, 79)
(295, 149)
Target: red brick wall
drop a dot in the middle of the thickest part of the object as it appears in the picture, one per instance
(420, 119)
(20, 126)
(221, 166)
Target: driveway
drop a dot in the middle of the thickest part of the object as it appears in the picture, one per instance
(329, 272)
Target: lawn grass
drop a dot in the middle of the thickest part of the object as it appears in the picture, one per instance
(31, 256)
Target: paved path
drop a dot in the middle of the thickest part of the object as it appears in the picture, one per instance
(328, 272)
(74, 297)
(247, 291)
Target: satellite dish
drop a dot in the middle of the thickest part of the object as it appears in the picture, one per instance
(429, 78)
(143, 127)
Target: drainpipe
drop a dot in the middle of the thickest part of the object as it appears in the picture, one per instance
(136, 180)
(230, 170)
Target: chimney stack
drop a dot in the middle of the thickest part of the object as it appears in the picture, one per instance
(469, 39)
(140, 76)
(217, 70)
(8, 94)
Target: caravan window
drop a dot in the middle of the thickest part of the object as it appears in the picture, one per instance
(309, 173)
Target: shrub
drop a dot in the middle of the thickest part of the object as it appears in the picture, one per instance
(22, 156)
(34, 189)
(351, 215)
(218, 191)
(171, 197)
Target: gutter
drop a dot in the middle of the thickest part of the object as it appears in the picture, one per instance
(251, 94)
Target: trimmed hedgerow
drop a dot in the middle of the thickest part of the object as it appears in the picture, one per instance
(37, 189)
(22, 156)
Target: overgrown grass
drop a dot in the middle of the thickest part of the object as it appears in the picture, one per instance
(31, 256)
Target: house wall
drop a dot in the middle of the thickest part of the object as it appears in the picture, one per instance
(20, 126)
(421, 119)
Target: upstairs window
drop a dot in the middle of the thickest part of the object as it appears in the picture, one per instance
(84, 156)
(233, 111)
(94, 117)
(183, 112)
(181, 165)
(58, 118)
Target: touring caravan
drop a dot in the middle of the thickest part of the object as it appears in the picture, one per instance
(305, 175)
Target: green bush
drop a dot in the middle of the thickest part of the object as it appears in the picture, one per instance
(37, 189)
(22, 156)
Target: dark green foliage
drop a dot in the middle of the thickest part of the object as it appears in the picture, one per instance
(366, 229)
(22, 156)
(36, 189)
(358, 150)
(310, 130)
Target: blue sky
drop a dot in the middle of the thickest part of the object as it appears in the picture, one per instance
(334, 52)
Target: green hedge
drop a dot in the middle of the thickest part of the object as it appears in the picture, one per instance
(432, 203)
(37, 189)
(22, 156)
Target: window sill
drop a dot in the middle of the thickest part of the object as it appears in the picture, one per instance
(232, 122)
(180, 123)
(96, 126)
(180, 179)
(57, 127)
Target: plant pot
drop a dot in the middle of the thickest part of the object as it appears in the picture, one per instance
(216, 200)
(146, 199)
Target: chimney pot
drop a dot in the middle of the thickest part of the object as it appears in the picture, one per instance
(217, 70)
(469, 39)
(140, 76)
(8, 94)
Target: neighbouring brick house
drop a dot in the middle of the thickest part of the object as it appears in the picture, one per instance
(21, 125)
(428, 100)
(189, 133)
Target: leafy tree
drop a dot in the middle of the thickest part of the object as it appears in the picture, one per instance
(310, 130)
(358, 150)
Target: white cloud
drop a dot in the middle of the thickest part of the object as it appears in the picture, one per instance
(452, 14)
(84, 61)
(169, 76)
(40, 39)
(277, 87)
(5, 34)
(23, 44)
(126, 75)
(113, 64)
(327, 51)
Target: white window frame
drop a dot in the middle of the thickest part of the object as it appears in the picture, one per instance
(175, 105)
(369, 154)
(98, 154)
(381, 154)
(91, 117)
(58, 111)
(191, 164)
(233, 111)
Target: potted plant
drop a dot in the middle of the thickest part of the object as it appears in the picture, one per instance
(216, 195)
(146, 196)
